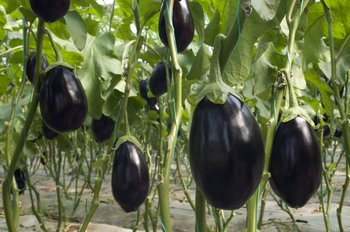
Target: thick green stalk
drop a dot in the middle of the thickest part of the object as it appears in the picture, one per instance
(163, 188)
(341, 108)
(201, 224)
(12, 213)
(252, 211)
(271, 126)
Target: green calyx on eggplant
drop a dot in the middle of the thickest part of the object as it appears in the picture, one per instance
(226, 152)
(31, 64)
(130, 180)
(295, 164)
(63, 102)
(158, 84)
(182, 23)
(102, 129)
(50, 10)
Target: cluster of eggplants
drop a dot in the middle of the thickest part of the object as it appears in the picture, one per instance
(63, 102)
(31, 63)
(295, 164)
(50, 10)
(130, 180)
(182, 23)
(226, 152)
(102, 128)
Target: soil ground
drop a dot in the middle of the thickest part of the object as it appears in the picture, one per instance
(110, 217)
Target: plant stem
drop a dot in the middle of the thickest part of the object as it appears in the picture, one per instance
(271, 126)
(111, 17)
(343, 196)
(201, 224)
(14, 49)
(163, 188)
(341, 108)
(184, 187)
(13, 212)
(251, 211)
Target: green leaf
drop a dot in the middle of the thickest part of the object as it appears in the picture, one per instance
(201, 64)
(238, 67)
(99, 62)
(341, 18)
(264, 71)
(10, 5)
(198, 18)
(212, 29)
(325, 91)
(314, 49)
(266, 9)
(76, 28)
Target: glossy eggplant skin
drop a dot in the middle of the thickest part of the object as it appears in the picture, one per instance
(130, 180)
(226, 152)
(102, 128)
(182, 22)
(63, 102)
(48, 133)
(31, 63)
(50, 10)
(295, 164)
(158, 81)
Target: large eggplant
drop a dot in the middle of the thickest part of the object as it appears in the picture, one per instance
(63, 102)
(295, 164)
(182, 23)
(226, 152)
(130, 180)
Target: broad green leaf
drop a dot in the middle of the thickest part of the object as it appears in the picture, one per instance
(314, 49)
(76, 28)
(198, 18)
(99, 62)
(148, 9)
(230, 10)
(238, 67)
(325, 91)
(212, 29)
(341, 18)
(266, 9)
(200, 64)
(264, 71)
(9, 5)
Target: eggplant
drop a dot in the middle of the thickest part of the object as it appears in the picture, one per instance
(102, 129)
(63, 102)
(226, 152)
(31, 63)
(130, 180)
(158, 84)
(50, 10)
(295, 164)
(182, 23)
